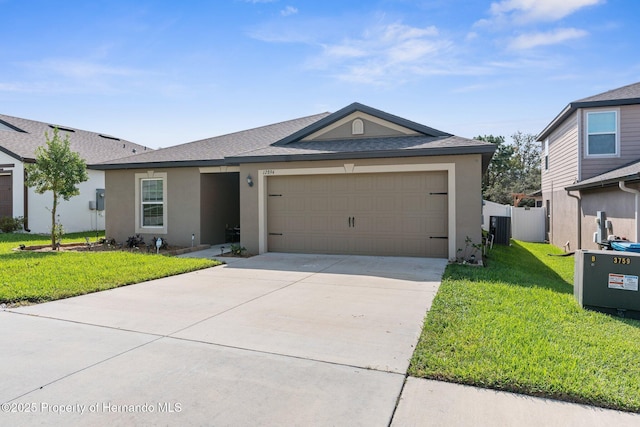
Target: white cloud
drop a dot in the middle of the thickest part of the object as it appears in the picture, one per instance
(538, 10)
(531, 40)
(384, 53)
(289, 10)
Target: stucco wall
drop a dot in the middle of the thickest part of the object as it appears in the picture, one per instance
(619, 207)
(467, 186)
(182, 204)
(74, 213)
(563, 214)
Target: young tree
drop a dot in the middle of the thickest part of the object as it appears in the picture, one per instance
(500, 174)
(527, 162)
(514, 168)
(57, 169)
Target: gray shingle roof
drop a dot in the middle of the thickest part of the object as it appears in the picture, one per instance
(368, 147)
(282, 141)
(631, 91)
(19, 138)
(213, 151)
(625, 95)
(628, 172)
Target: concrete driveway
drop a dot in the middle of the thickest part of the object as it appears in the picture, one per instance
(276, 339)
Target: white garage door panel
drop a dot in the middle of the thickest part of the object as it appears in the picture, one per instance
(369, 214)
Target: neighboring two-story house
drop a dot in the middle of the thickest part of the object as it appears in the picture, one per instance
(19, 139)
(590, 163)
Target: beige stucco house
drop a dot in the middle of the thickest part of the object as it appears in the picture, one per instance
(357, 181)
(591, 162)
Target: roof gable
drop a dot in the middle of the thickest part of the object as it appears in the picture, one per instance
(625, 95)
(338, 125)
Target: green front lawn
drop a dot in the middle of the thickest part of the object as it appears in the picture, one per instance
(515, 326)
(28, 277)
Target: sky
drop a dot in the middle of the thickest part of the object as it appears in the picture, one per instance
(161, 73)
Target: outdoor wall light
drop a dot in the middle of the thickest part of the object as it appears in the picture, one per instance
(249, 181)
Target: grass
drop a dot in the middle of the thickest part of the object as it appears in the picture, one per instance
(515, 326)
(33, 277)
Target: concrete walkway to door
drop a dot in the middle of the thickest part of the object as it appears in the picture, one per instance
(277, 339)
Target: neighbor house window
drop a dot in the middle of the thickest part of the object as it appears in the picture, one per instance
(151, 202)
(546, 154)
(602, 133)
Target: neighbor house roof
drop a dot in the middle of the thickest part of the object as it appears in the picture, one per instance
(284, 142)
(212, 151)
(626, 95)
(628, 172)
(19, 138)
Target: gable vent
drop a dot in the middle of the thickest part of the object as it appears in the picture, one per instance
(109, 137)
(61, 128)
(357, 127)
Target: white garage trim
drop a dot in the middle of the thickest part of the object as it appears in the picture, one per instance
(450, 168)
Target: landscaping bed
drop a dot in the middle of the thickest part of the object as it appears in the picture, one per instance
(515, 325)
(97, 247)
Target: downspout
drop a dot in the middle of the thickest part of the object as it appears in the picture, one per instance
(579, 218)
(623, 187)
(26, 201)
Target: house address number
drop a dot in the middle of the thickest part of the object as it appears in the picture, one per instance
(268, 172)
(621, 260)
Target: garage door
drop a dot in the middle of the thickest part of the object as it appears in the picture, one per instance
(6, 196)
(395, 214)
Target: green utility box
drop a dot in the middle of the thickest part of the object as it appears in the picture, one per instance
(607, 281)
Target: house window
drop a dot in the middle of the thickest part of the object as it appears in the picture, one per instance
(152, 202)
(602, 133)
(546, 154)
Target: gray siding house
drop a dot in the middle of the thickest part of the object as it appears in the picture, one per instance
(591, 162)
(357, 181)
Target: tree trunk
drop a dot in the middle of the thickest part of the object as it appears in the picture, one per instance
(53, 220)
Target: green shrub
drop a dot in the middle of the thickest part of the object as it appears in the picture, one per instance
(9, 225)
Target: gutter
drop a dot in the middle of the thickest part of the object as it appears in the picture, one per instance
(579, 218)
(624, 188)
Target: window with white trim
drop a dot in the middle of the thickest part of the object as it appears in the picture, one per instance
(152, 200)
(602, 133)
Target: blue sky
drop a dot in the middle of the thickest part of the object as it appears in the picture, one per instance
(161, 73)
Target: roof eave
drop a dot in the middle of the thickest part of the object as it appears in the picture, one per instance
(170, 164)
(14, 155)
(351, 155)
(603, 183)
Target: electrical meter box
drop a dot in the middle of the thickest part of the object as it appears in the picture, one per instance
(607, 281)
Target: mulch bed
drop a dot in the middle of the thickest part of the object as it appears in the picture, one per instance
(97, 247)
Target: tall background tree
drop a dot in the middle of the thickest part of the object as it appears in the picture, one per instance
(514, 168)
(59, 170)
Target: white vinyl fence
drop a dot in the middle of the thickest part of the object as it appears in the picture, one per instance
(527, 224)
